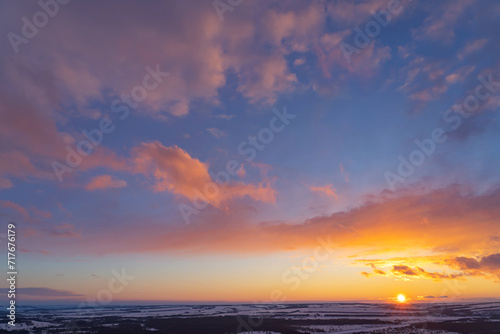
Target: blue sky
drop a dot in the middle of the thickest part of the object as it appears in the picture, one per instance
(203, 81)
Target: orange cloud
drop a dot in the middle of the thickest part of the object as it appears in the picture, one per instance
(390, 222)
(174, 170)
(417, 272)
(104, 182)
(379, 272)
(367, 275)
(406, 272)
(486, 266)
(437, 221)
(38, 141)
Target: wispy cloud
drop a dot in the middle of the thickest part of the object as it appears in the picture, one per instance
(217, 133)
(104, 182)
(327, 190)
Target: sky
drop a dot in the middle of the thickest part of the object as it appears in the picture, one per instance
(251, 151)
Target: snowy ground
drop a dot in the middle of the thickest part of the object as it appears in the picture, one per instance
(262, 319)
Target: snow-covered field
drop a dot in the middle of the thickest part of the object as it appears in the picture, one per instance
(263, 318)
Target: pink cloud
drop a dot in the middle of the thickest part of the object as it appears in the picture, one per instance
(261, 81)
(352, 13)
(5, 184)
(40, 213)
(291, 27)
(441, 24)
(217, 133)
(389, 222)
(198, 57)
(24, 250)
(344, 172)
(459, 75)
(104, 182)
(471, 48)
(174, 170)
(62, 209)
(327, 190)
(17, 208)
(64, 230)
(363, 64)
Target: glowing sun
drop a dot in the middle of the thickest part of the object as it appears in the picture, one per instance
(401, 298)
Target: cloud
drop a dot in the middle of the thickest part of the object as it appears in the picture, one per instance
(459, 75)
(425, 80)
(332, 59)
(299, 61)
(293, 25)
(351, 13)
(327, 190)
(223, 116)
(261, 81)
(174, 170)
(438, 220)
(403, 270)
(367, 275)
(198, 57)
(5, 184)
(63, 209)
(45, 84)
(440, 25)
(47, 293)
(471, 48)
(105, 182)
(64, 230)
(217, 133)
(17, 208)
(344, 172)
(24, 250)
(41, 214)
(432, 297)
(36, 143)
(483, 266)
(486, 266)
(417, 272)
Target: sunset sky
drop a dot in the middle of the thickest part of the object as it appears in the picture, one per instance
(251, 150)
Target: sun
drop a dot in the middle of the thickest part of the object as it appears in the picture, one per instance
(401, 298)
